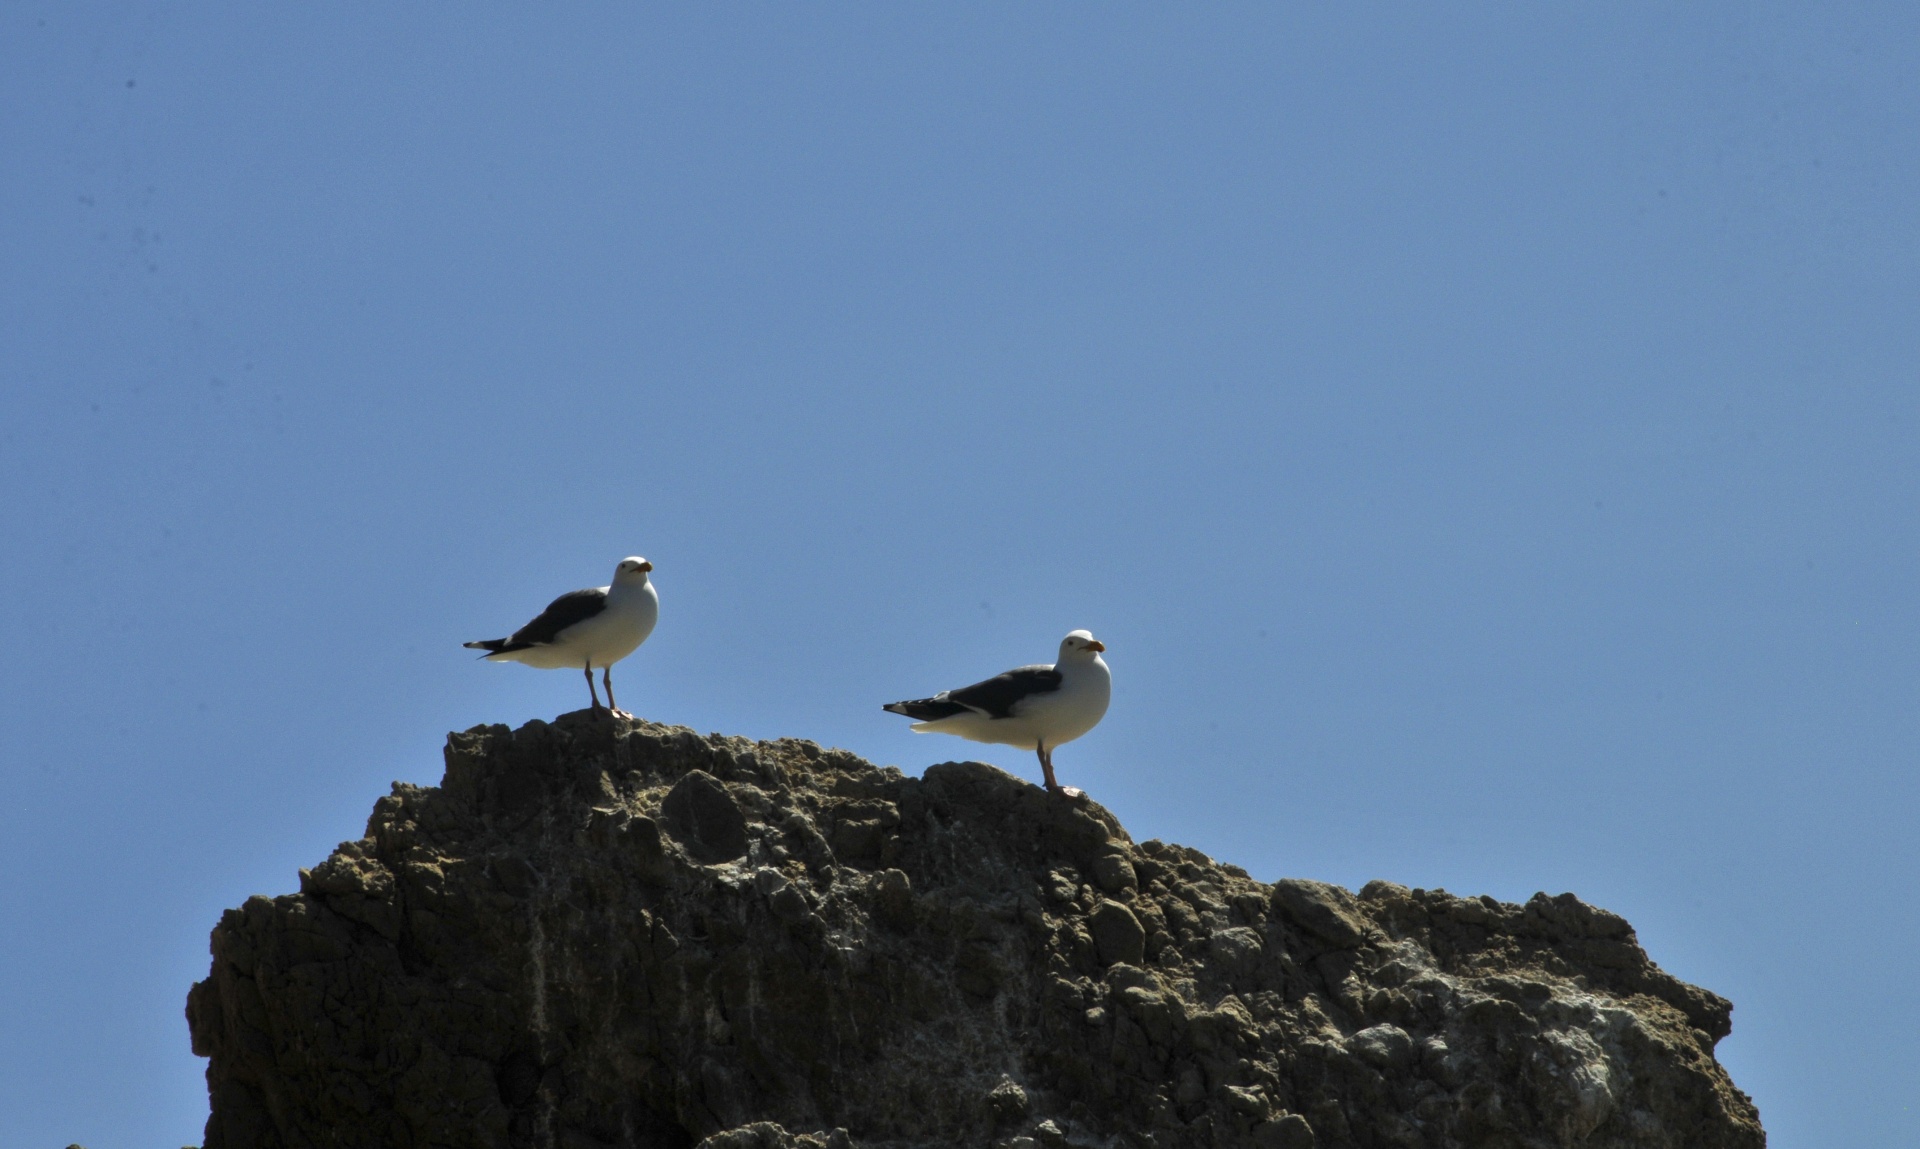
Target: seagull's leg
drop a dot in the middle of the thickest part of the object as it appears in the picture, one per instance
(591, 693)
(606, 680)
(1046, 763)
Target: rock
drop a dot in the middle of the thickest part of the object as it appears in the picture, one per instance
(641, 836)
(1237, 949)
(1568, 916)
(1328, 912)
(1117, 934)
(1288, 1131)
(702, 816)
(894, 892)
(1247, 1102)
(1114, 873)
(1008, 1101)
(769, 1135)
(1382, 1046)
(597, 934)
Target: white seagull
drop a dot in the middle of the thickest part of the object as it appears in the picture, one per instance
(1033, 707)
(597, 626)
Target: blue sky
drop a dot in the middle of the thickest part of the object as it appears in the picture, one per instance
(1484, 438)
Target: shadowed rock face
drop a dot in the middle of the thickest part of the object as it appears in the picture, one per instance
(604, 933)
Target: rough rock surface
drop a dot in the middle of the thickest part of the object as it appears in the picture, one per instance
(604, 933)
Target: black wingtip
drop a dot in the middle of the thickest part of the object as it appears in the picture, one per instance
(925, 709)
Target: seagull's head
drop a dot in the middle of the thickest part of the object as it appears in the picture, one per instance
(633, 568)
(1081, 645)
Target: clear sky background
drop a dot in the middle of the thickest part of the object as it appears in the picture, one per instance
(1485, 439)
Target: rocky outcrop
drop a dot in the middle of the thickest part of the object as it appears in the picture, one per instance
(602, 933)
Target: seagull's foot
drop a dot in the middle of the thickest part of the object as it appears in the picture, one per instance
(1073, 793)
(619, 713)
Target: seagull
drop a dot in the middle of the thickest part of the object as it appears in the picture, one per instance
(1033, 707)
(597, 626)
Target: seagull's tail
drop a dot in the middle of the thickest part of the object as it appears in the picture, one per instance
(925, 709)
(491, 645)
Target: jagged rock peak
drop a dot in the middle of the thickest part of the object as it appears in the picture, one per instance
(600, 933)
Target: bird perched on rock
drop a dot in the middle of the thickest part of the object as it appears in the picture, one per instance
(1033, 707)
(597, 626)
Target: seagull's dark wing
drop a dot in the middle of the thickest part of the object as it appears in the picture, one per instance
(995, 697)
(576, 606)
(998, 695)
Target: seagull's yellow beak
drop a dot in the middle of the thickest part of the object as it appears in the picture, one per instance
(1096, 646)
(646, 566)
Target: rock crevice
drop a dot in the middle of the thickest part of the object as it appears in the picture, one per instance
(598, 933)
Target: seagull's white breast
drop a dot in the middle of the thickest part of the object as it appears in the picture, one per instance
(1077, 707)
